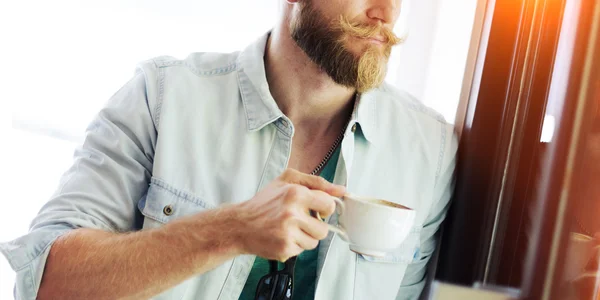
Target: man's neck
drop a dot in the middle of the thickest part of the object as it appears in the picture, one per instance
(303, 92)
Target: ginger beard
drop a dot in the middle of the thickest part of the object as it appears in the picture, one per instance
(324, 42)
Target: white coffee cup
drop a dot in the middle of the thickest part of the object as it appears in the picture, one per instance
(372, 226)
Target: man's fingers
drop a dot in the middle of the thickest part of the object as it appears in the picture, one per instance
(314, 227)
(305, 241)
(321, 202)
(313, 182)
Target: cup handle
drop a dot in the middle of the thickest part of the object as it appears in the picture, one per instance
(340, 208)
(340, 231)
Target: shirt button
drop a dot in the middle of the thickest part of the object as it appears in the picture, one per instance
(168, 210)
(284, 123)
(354, 127)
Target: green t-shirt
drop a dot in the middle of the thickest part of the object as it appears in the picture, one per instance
(305, 271)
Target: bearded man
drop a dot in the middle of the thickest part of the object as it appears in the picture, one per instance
(200, 178)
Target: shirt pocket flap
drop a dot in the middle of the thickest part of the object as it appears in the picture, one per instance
(406, 253)
(164, 203)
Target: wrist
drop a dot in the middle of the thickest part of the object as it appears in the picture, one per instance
(203, 238)
(229, 230)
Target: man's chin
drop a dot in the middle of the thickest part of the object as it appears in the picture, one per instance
(370, 78)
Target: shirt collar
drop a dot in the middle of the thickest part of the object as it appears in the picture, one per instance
(365, 115)
(260, 107)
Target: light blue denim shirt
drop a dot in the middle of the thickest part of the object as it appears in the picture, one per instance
(205, 131)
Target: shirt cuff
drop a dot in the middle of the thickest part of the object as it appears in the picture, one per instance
(27, 256)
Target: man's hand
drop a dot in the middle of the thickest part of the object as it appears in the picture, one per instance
(276, 223)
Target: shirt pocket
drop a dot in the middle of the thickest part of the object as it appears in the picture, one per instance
(164, 203)
(380, 277)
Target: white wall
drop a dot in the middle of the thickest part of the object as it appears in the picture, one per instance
(412, 59)
(72, 55)
(432, 62)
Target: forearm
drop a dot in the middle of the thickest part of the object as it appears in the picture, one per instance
(94, 264)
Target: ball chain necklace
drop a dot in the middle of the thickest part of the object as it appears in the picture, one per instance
(334, 147)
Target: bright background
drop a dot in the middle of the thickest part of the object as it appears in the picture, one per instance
(63, 59)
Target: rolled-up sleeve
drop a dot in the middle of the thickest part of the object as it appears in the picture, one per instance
(110, 173)
(414, 277)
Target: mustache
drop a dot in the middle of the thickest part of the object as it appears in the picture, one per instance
(369, 31)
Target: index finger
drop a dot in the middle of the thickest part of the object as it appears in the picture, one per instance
(313, 182)
(322, 203)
